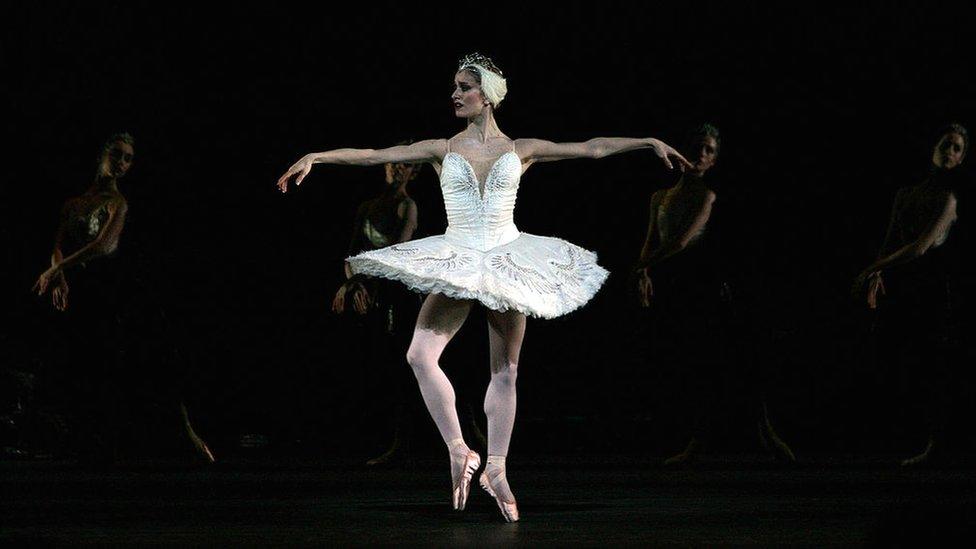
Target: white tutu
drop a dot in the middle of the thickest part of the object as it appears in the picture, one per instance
(483, 256)
(536, 275)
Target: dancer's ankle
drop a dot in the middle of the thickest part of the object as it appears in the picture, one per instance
(457, 446)
(497, 462)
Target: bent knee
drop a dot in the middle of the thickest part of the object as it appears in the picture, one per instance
(418, 359)
(504, 370)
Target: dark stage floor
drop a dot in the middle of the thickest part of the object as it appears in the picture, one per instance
(578, 500)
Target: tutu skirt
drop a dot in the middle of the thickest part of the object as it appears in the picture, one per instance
(539, 276)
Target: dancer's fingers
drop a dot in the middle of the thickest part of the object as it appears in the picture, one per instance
(361, 303)
(681, 160)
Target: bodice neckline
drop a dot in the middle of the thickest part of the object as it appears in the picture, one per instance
(482, 187)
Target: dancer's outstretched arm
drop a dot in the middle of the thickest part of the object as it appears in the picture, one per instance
(432, 151)
(540, 150)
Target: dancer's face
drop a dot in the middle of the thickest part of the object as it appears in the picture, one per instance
(117, 160)
(397, 173)
(949, 151)
(703, 154)
(467, 97)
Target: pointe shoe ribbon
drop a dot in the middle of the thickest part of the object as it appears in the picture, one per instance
(508, 508)
(462, 484)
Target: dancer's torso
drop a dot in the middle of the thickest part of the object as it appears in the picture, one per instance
(677, 210)
(84, 218)
(916, 210)
(380, 223)
(919, 290)
(480, 213)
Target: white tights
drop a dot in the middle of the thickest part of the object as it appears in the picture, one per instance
(440, 318)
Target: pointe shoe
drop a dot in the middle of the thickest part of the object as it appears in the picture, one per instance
(199, 444)
(776, 446)
(687, 456)
(508, 508)
(203, 451)
(920, 458)
(462, 484)
(387, 457)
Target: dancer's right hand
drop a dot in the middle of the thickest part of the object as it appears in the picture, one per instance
(300, 168)
(339, 301)
(876, 289)
(861, 284)
(645, 288)
(361, 299)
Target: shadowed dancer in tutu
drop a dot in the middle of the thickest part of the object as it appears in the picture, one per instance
(87, 245)
(909, 284)
(680, 273)
(481, 258)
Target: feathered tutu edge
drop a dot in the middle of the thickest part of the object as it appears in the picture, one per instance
(426, 284)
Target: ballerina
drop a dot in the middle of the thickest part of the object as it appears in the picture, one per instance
(914, 316)
(86, 245)
(691, 295)
(482, 257)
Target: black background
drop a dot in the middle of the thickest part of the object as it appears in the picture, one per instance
(825, 111)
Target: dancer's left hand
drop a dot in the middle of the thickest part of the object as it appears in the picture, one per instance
(361, 299)
(667, 153)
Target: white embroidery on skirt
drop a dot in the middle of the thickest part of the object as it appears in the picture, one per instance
(526, 276)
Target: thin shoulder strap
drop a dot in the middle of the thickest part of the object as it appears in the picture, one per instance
(513, 145)
(448, 145)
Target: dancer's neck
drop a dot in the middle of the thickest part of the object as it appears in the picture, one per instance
(104, 184)
(398, 189)
(691, 181)
(484, 126)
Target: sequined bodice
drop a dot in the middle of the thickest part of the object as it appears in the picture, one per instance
(85, 226)
(476, 218)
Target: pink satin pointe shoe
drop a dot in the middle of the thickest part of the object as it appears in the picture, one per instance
(462, 483)
(492, 484)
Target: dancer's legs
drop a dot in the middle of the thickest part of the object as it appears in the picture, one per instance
(505, 334)
(440, 318)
